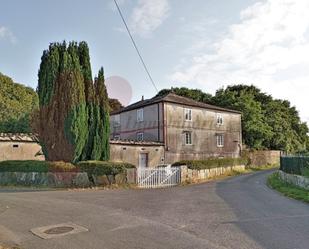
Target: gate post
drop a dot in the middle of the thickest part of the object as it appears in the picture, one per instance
(183, 173)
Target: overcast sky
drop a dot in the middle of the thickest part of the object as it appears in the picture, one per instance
(202, 44)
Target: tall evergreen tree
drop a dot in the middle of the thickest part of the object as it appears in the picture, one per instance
(67, 121)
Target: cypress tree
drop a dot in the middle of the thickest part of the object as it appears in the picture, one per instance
(73, 119)
(101, 149)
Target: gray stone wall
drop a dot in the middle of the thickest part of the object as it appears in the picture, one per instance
(191, 176)
(300, 181)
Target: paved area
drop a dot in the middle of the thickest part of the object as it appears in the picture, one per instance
(240, 212)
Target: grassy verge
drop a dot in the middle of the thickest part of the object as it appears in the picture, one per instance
(287, 189)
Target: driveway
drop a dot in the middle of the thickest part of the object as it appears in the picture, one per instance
(240, 212)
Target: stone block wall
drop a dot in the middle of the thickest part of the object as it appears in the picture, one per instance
(264, 157)
(189, 175)
(300, 181)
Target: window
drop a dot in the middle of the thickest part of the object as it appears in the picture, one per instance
(140, 136)
(117, 120)
(188, 114)
(140, 115)
(15, 145)
(188, 138)
(219, 119)
(220, 140)
(116, 137)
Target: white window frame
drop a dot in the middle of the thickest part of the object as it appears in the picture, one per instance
(140, 136)
(187, 136)
(117, 120)
(188, 114)
(219, 119)
(220, 140)
(140, 115)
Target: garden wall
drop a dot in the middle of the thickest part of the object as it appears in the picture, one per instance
(65, 179)
(264, 157)
(194, 175)
(297, 180)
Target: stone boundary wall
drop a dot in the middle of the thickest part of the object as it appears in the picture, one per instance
(264, 157)
(192, 175)
(65, 179)
(297, 180)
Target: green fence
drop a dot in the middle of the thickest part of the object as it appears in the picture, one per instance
(297, 165)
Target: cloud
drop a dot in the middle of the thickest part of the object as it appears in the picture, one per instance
(147, 16)
(5, 33)
(269, 47)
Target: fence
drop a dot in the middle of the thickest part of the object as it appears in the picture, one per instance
(296, 165)
(158, 177)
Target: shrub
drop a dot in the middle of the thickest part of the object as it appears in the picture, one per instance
(36, 166)
(212, 163)
(24, 166)
(60, 166)
(103, 167)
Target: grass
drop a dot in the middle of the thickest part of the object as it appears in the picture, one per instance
(287, 189)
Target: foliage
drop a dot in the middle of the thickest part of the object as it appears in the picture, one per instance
(297, 165)
(115, 105)
(16, 104)
(287, 189)
(69, 116)
(195, 94)
(103, 167)
(35, 166)
(212, 163)
(267, 122)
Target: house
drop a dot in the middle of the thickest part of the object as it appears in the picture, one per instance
(20, 146)
(169, 128)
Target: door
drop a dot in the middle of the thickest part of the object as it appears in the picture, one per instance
(143, 160)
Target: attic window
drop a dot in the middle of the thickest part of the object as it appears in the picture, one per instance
(15, 145)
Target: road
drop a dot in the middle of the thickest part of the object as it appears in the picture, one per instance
(240, 212)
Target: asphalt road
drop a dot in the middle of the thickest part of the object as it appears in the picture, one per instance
(240, 212)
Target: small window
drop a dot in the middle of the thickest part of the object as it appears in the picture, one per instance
(188, 138)
(188, 114)
(140, 115)
(15, 145)
(116, 137)
(117, 120)
(140, 136)
(219, 119)
(220, 140)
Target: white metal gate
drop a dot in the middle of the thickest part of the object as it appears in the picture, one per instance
(158, 177)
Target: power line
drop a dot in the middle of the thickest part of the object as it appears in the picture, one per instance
(135, 46)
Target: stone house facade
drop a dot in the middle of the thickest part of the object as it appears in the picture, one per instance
(186, 129)
(19, 146)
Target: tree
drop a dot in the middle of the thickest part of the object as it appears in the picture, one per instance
(272, 124)
(67, 120)
(194, 94)
(16, 104)
(115, 105)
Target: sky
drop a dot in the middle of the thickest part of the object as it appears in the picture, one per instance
(196, 44)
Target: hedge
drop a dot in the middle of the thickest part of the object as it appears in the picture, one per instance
(103, 167)
(212, 163)
(36, 166)
(297, 165)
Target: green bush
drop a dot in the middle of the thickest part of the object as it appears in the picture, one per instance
(297, 165)
(36, 166)
(212, 163)
(103, 167)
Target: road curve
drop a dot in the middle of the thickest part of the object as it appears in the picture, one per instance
(240, 212)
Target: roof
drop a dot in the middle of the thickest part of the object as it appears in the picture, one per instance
(18, 137)
(173, 98)
(133, 142)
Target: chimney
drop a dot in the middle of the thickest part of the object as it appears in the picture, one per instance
(143, 98)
